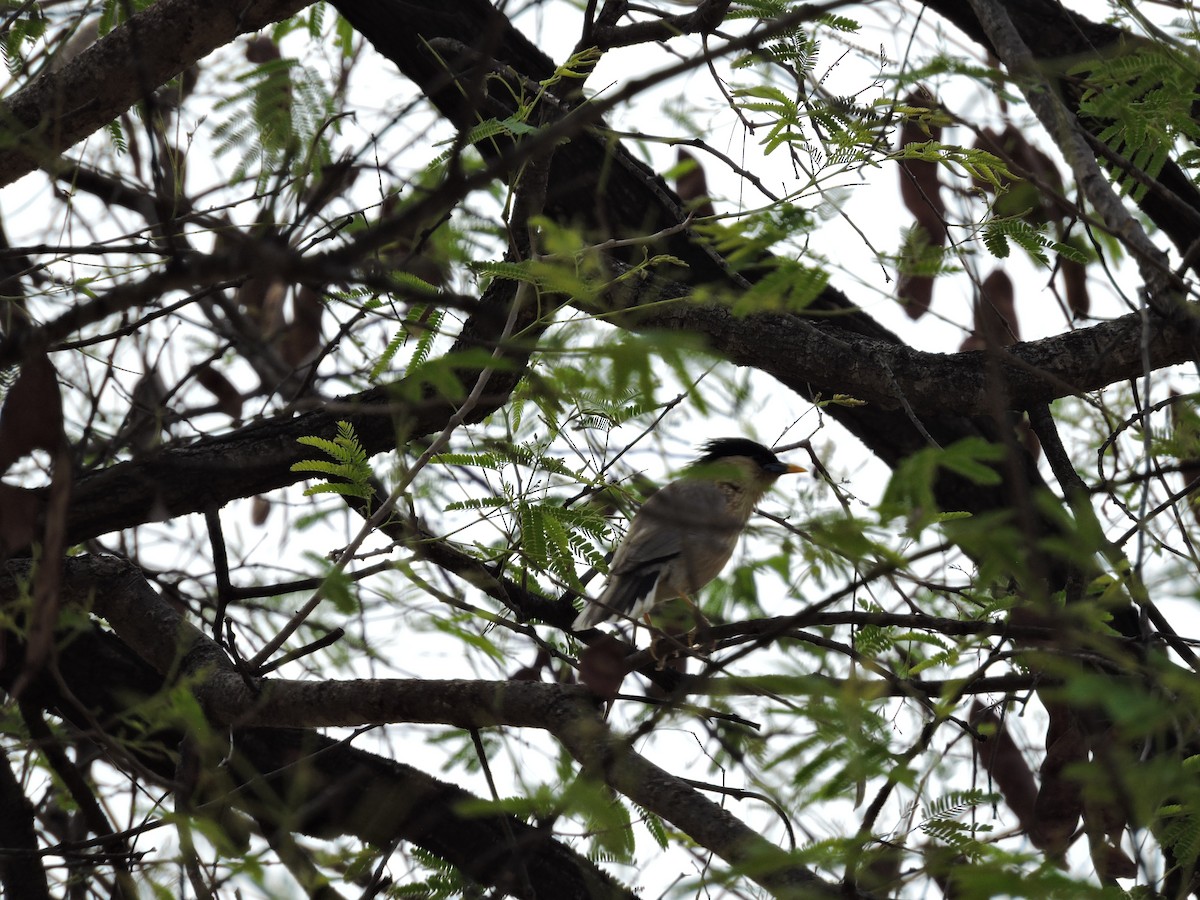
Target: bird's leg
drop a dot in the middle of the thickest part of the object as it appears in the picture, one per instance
(702, 624)
(672, 636)
(655, 637)
(679, 642)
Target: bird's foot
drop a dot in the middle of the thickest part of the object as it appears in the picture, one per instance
(667, 648)
(673, 649)
(700, 636)
(664, 648)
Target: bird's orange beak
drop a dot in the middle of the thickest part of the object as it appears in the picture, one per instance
(795, 470)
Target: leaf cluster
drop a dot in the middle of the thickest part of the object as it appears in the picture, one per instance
(1032, 239)
(277, 120)
(1147, 97)
(347, 460)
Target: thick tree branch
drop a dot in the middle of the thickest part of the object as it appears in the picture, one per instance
(61, 108)
(21, 872)
(822, 358)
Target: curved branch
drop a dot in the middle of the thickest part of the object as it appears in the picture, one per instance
(61, 108)
(822, 358)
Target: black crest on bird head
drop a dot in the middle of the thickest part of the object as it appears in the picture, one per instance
(723, 448)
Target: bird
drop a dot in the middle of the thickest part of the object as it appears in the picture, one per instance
(683, 536)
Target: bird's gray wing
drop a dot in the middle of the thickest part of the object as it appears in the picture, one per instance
(679, 519)
(663, 523)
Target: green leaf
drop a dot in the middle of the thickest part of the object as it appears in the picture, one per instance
(910, 491)
(978, 163)
(469, 637)
(348, 460)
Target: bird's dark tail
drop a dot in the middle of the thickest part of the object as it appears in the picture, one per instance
(625, 595)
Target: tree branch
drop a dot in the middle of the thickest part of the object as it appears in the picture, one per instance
(1069, 136)
(286, 778)
(63, 107)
